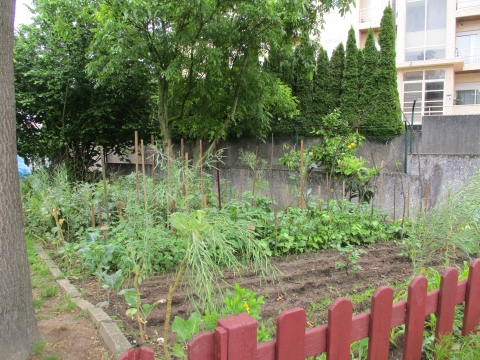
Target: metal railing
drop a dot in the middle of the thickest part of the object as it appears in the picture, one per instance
(470, 55)
(371, 14)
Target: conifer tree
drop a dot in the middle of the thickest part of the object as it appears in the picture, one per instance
(388, 120)
(369, 92)
(321, 87)
(304, 65)
(350, 95)
(337, 63)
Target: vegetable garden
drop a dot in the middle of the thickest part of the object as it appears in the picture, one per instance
(166, 262)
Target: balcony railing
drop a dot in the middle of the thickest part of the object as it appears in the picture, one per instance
(371, 14)
(470, 55)
(462, 4)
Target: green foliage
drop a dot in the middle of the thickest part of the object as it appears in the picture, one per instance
(186, 329)
(321, 83)
(387, 119)
(350, 256)
(304, 66)
(337, 66)
(369, 92)
(450, 226)
(137, 307)
(350, 82)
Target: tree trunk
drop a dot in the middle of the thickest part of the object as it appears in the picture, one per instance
(162, 111)
(18, 329)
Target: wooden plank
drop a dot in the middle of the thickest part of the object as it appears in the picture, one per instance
(380, 320)
(431, 305)
(416, 304)
(399, 313)
(221, 343)
(446, 302)
(472, 308)
(290, 334)
(202, 347)
(266, 350)
(316, 341)
(242, 336)
(461, 292)
(339, 329)
(146, 353)
(360, 324)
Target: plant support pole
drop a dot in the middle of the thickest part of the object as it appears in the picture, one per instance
(218, 178)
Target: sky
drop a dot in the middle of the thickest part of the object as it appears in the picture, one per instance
(22, 14)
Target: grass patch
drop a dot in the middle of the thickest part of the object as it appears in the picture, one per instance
(38, 303)
(49, 291)
(38, 347)
(52, 357)
(82, 313)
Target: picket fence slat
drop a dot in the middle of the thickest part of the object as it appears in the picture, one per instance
(472, 310)
(241, 336)
(446, 303)
(290, 335)
(235, 337)
(416, 303)
(339, 329)
(144, 353)
(381, 318)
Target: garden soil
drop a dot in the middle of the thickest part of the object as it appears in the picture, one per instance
(309, 281)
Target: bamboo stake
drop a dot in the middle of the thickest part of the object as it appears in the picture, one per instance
(186, 181)
(104, 177)
(218, 178)
(381, 186)
(287, 197)
(120, 209)
(255, 172)
(182, 152)
(394, 197)
(319, 193)
(328, 189)
(153, 183)
(144, 176)
(408, 200)
(343, 190)
(301, 176)
(201, 169)
(238, 194)
(169, 145)
(427, 193)
(204, 201)
(136, 166)
(271, 156)
(92, 209)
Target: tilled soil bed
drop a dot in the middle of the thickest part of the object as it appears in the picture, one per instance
(309, 281)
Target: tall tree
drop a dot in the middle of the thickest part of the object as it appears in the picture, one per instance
(19, 327)
(388, 116)
(63, 115)
(304, 67)
(369, 92)
(321, 86)
(202, 55)
(350, 95)
(337, 64)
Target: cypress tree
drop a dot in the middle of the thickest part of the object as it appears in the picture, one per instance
(337, 63)
(388, 118)
(349, 99)
(360, 61)
(321, 83)
(369, 92)
(304, 62)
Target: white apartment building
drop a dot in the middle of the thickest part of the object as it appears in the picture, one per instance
(438, 51)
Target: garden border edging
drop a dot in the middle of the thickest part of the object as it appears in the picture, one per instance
(114, 339)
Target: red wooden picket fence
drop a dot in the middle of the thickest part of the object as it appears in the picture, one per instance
(235, 337)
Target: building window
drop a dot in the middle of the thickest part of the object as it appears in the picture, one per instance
(427, 88)
(425, 30)
(467, 93)
(468, 47)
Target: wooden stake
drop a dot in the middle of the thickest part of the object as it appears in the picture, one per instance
(185, 186)
(427, 193)
(120, 209)
(381, 186)
(287, 197)
(319, 198)
(328, 189)
(238, 194)
(255, 172)
(92, 209)
(301, 177)
(169, 145)
(271, 156)
(136, 166)
(182, 153)
(104, 177)
(204, 201)
(394, 197)
(408, 200)
(144, 178)
(152, 142)
(218, 178)
(153, 183)
(343, 190)
(201, 169)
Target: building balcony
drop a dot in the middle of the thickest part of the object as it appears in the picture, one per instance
(370, 17)
(468, 9)
(471, 58)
